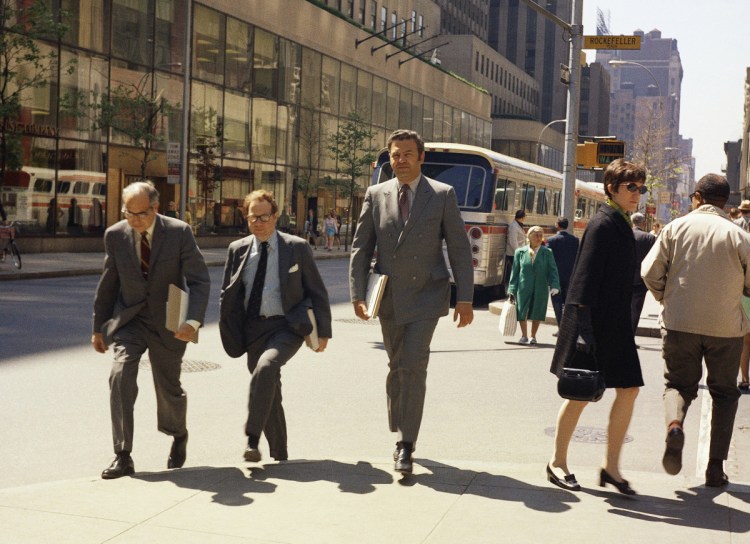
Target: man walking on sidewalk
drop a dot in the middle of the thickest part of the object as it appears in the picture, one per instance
(698, 269)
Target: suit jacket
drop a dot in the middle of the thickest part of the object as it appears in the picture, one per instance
(301, 288)
(418, 284)
(644, 241)
(123, 292)
(564, 247)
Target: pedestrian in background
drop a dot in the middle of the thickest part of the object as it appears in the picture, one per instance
(270, 281)
(596, 332)
(698, 270)
(644, 241)
(331, 229)
(516, 238)
(408, 219)
(743, 221)
(533, 278)
(143, 255)
(564, 246)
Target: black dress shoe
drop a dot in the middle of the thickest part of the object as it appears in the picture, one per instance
(121, 466)
(672, 460)
(715, 476)
(178, 453)
(568, 481)
(404, 461)
(623, 486)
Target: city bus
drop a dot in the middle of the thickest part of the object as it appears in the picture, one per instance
(490, 187)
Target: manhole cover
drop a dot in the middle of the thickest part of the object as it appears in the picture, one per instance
(188, 365)
(357, 321)
(591, 435)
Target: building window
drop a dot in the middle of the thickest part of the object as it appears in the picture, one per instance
(394, 25)
(383, 18)
(374, 14)
(413, 21)
(421, 26)
(362, 10)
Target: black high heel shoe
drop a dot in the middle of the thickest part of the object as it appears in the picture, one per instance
(623, 486)
(568, 482)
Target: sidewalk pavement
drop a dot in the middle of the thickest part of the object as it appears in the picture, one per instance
(355, 500)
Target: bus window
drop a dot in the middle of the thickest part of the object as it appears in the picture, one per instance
(63, 187)
(592, 208)
(476, 187)
(542, 201)
(527, 197)
(99, 189)
(80, 188)
(42, 185)
(556, 203)
(581, 208)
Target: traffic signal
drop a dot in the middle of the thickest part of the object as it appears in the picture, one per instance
(608, 151)
(599, 154)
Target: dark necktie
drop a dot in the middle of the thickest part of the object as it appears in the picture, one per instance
(145, 254)
(403, 203)
(256, 293)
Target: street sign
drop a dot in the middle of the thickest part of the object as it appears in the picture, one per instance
(611, 42)
(173, 163)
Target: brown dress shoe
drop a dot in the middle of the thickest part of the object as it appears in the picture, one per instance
(121, 466)
(715, 475)
(404, 461)
(672, 460)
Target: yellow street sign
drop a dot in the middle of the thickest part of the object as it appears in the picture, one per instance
(611, 42)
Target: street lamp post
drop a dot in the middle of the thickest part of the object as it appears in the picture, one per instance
(539, 140)
(186, 74)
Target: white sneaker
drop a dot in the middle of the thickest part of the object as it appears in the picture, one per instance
(532, 340)
(523, 340)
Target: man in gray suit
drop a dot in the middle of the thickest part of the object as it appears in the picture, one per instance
(408, 218)
(144, 254)
(270, 282)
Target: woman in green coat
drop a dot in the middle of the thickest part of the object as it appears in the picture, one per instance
(533, 278)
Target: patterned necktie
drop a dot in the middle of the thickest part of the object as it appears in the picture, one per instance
(256, 293)
(145, 254)
(403, 203)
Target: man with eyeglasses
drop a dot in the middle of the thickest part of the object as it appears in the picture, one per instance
(698, 270)
(270, 282)
(144, 254)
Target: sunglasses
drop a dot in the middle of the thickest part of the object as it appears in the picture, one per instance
(633, 187)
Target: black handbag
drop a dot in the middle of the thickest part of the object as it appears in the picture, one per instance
(581, 384)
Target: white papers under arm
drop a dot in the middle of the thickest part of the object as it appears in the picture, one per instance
(375, 289)
(177, 308)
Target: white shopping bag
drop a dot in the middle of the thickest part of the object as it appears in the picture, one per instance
(508, 319)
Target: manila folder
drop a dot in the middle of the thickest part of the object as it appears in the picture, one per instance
(375, 289)
(177, 308)
(311, 340)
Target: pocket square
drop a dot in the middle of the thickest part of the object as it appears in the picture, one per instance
(294, 268)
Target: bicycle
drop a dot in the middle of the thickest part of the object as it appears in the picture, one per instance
(9, 247)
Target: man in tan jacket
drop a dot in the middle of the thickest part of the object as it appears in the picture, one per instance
(698, 270)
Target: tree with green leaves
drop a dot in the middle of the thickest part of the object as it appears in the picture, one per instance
(351, 148)
(306, 181)
(25, 65)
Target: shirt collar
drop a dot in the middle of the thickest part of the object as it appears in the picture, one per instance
(412, 184)
(612, 204)
(273, 242)
(149, 231)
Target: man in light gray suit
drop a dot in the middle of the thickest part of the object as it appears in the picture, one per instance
(144, 254)
(407, 219)
(270, 282)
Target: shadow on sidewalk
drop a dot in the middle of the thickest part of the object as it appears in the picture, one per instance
(358, 478)
(448, 479)
(695, 507)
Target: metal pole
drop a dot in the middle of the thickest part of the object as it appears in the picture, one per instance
(571, 127)
(184, 142)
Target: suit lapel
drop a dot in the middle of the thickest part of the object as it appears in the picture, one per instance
(285, 260)
(160, 232)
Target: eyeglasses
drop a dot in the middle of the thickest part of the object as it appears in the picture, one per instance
(633, 187)
(265, 218)
(136, 215)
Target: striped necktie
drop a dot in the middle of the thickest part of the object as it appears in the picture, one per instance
(145, 254)
(403, 203)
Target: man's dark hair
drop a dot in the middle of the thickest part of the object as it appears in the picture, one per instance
(562, 223)
(714, 189)
(520, 214)
(404, 134)
(621, 171)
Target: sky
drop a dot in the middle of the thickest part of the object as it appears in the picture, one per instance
(712, 41)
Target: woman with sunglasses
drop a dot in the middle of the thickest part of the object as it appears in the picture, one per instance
(596, 331)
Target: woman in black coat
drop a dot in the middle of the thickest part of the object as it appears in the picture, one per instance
(596, 330)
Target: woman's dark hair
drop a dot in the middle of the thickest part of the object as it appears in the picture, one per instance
(621, 171)
(520, 214)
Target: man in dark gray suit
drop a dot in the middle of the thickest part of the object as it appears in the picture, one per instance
(270, 282)
(644, 241)
(144, 254)
(564, 248)
(408, 218)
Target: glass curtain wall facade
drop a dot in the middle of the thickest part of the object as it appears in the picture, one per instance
(262, 110)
